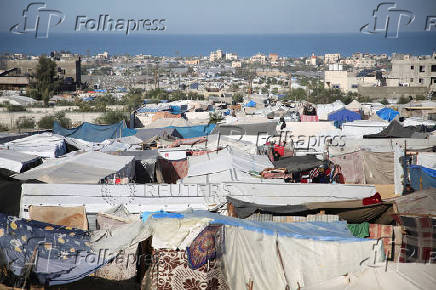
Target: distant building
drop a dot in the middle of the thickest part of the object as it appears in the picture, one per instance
(216, 55)
(336, 78)
(331, 58)
(273, 57)
(231, 56)
(260, 58)
(236, 64)
(192, 62)
(104, 55)
(414, 71)
(312, 60)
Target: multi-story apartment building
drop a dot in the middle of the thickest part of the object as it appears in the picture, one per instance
(415, 71)
(216, 55)
(330, 58)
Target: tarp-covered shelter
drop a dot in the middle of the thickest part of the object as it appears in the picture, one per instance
(353, 211)
(250, 104)
(237, 129)
(95, 133)
(422, 177)
(17, 161)
(396, 130)
(89, 167)
(193, 131)
(298, 163)
(343, 116)
(44, 145)
(387, 114)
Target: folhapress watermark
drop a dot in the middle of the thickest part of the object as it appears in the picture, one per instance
(388, 19)
(38, 19)
(107, 23)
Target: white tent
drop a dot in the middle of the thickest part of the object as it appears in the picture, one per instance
(44, 145)
(323, 110)
(89, 167)
(225, 165)
(358, 128)
(354, 106)
(17, 161)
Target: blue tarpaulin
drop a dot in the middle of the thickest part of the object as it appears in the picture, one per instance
(387, 114)
(422, 176)
(95, 133)
(342, 116)
(251, 104)
(323, 231)
(193, 131)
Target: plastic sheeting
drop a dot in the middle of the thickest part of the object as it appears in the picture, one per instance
(378, 167)
(193, 131)
(426, 159)
(44, 145)
(17, 161)
(90, 167)
(351, 167)
(95, 133)
(343, 116)
(422, 177)
(387, 114)
(324, 110)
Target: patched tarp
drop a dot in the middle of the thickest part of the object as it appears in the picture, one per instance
(422, 177)
(95, 133)
(396, 130)
(58, 253)
(352, 167)
(298, 163)
(250, 104)
(352, 211)
(420, 202)
(387, 114)
(193, 131)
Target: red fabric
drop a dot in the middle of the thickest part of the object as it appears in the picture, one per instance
(376, 198)
(279, 149)
(305, 118)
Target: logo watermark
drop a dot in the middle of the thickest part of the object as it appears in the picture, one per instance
(38, 19)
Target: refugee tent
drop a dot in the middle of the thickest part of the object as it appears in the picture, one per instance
(250, 104)
(63, 253)
(408, 276)
(17, 161)
(426, 159)
(281, 255)
(44, 145)
(242, 129)
(89, 167)
(298, 163)
(193, 131)
(354, 106)
(342, 116)
(387, 114)
(358, 128)
(422, 177)
(168, 123)
(93, 132)
(352, 211)
(323, 110)
(396, 130)
(145, 164)
(10, 193)
(225, 165)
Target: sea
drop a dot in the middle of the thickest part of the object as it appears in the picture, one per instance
(162, 44)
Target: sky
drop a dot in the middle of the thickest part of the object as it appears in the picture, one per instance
(228, 16)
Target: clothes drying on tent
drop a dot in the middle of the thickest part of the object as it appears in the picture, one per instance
(95, 133)
(342, 116)
(387, 114)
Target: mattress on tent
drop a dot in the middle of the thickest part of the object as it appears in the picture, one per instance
(89, 168)
(44, 145)
(17, 161)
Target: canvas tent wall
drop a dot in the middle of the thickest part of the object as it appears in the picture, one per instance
(93, 132)
(323, 110)
(17, 161)
(359, 128)
(89, 167)
(44, 145)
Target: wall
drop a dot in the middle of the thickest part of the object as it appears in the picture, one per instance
(392, 92)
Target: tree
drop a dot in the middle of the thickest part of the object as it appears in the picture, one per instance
(112, 117)
(46, 83)
(384, 102)
(46, 122)
(403, 100)
(25, 123)
(238, 98)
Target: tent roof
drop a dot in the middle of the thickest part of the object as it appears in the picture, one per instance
(420, 202)
(387, 114)
(395, 130)
(344, 115)
(89, 167)
(298, 163)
